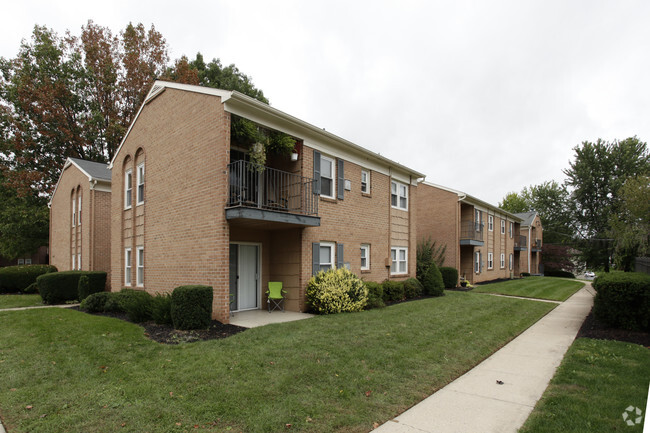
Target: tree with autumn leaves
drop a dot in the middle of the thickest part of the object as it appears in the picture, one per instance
(75, 96)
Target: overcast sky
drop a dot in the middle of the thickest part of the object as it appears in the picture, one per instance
(482, 96)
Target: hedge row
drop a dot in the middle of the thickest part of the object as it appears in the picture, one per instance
(188, 307)
(14, 279)
(623, 300)
(60, 287)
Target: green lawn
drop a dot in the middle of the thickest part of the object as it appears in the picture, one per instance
(554, 289)
(596, 382)
(15, 301)
(63, 370)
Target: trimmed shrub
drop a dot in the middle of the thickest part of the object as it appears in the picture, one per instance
(59, 287)
(393, 291)
(191, 307)
(449, 277)
(83, 288)
(14, 279)
(336, 291)
(412, 288)
(161, 309)
(525, 274)
(558, 273)
(623, 300)
(32, 288)
(375, 295)
(114, 303)
(137, 304)
(96, 302)
(432, 281)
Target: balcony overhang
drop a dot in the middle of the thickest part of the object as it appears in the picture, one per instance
(520, 248)
(473, 242)
(269, 219)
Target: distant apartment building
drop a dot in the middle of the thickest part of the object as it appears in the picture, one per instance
(531, 230)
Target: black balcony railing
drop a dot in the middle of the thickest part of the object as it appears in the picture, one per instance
(471, 231)
(520, 243)
(270, 189)
(537, 245)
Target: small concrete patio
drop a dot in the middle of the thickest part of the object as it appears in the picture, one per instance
(255, 318)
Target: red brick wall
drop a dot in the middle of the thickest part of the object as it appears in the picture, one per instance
(182, 138)
(438, 219)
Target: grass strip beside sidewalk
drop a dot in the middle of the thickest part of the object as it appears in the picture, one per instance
(553, 289)
(18, 301)
(63, 370)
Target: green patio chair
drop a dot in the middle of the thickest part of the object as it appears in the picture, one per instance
(275, 296)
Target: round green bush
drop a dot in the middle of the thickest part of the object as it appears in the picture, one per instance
(96, 302)
(192, 307)
(137, 304)
(336, 291)
(432, 281)
(449, 277)
(412, 288)
(623, 300)
(393, 291)
(375, 295)
(161, 309)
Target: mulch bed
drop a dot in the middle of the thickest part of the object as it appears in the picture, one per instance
(592, 328)
(166, 334)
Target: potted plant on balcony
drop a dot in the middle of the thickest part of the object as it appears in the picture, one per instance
(260, 140)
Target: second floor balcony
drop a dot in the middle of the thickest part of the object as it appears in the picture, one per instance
(268, 194)
(536, 246)
(471, 233)
(520, 243)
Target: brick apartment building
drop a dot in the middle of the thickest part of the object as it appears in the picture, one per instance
(80, 236)
(188, 206)
(531, 230)
(482, 241)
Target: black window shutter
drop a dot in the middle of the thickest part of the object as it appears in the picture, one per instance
(316, 172)
(341, 180)
(315, 258)
(339, 256)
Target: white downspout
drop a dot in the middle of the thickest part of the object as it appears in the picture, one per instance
(528, 249)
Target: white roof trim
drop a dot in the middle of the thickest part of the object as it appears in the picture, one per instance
(259, 112)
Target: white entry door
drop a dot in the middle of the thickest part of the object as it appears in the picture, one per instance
(248, 295)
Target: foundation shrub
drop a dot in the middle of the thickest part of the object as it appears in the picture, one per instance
(191, 307)
(336, 291)
(623, 300)
(375, 295)
(96, 302)
(393, 291)
(60, 287)
(412, 288)
(449, 277)
(525, 274)
(432, 281)
(558, 273)
(161, 309)
(137, 304)
(31, 289)
(14, 279)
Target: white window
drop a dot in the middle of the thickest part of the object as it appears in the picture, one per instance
(79, 261)
(365, 257)
(477, 220)
(326, 255)
(140, 267)
(399, 260)
(490, 261)
(477, 262)
(510, 261)
(28, 261)
(503, 227)
(512, 229)
(127, 266)
(74, 212)
(128, 189)
(79, 211)
(398, 195)
(365, 181)
(327, 176)
(140, 183)
(503, 260)
(21, 261)
(490, 223)
(74, 262)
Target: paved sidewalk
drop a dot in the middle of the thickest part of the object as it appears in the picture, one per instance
(476, 403)
(35, 307)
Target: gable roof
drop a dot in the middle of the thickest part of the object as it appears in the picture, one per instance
(527, 217)
(244, 106)
(95, 171)
(466, 198)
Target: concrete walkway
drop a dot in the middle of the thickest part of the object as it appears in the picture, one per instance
(255, 318)
(476, 402)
